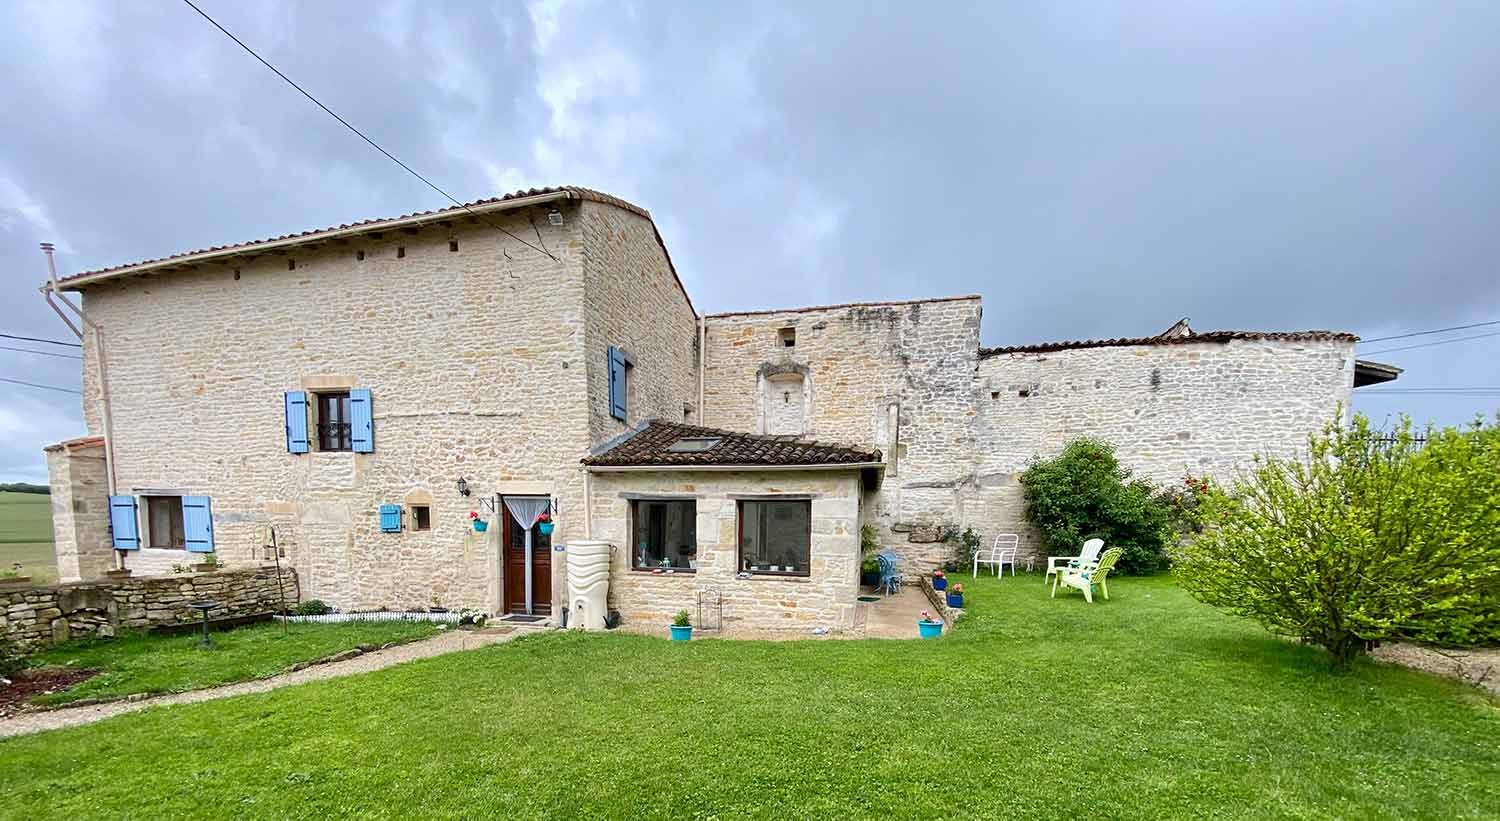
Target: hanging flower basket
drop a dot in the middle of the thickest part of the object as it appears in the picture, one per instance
(544, 524)
(480, 525)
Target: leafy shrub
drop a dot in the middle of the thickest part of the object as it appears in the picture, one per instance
(1085, 494)
(11, 657)
(1367, 538)
(963, 556)
(682, 619)
(312, 607)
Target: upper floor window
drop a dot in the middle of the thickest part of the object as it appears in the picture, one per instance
(333, 422)
(619, 382)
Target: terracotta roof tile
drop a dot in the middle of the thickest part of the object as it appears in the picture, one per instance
(1187, 339)
(649, 445)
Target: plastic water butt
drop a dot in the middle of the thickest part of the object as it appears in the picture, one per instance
(588, 584)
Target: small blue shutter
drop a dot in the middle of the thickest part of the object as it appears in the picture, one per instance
(296, 421)
(361, 420)
(617, 383)
(198, 524)
(390, 518)
(123, 523)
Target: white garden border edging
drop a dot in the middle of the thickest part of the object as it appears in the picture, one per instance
(335, 618)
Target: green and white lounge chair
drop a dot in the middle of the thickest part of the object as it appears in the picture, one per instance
(1084, 578)
(1090, 555)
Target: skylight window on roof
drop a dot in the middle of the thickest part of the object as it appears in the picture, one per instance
(693, 444)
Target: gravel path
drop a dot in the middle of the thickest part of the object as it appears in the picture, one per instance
(376, 660)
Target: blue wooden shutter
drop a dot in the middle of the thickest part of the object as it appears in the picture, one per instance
(123, 523)
(198, 524)
(296, 421)
(617, 383)
(390, 518)
(361, 420)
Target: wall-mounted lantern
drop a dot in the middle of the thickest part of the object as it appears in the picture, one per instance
(463, 487)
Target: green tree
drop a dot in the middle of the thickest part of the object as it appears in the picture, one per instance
(1368, 537)
(1086, 493)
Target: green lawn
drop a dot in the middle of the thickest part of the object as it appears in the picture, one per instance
(1146, 706)
(170, 664)
(26, 535)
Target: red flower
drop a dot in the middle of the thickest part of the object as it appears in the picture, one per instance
(473, 514)
(543, 518)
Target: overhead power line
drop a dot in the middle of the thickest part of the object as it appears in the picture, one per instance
(361, 134)
(40, 353)
(35, 385)
(1434, 331)
(35, 339)
(1431, 344)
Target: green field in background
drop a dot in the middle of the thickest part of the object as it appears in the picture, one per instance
(26, 535)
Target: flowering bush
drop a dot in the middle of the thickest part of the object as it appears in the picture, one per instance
(475, 618)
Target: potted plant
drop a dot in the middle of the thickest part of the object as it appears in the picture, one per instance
(544, 524)
(209, 564)
(928, 627)
(682, 626)
(473, 619)
(869, 546)
(480, 525)
(939, 580)
(956, 596)
(869, 571)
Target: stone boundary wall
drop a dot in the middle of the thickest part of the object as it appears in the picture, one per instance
(37, 616)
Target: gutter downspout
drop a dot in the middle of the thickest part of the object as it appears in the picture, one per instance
(53, 296)
(702, 365)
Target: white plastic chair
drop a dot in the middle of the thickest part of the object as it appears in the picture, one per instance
(1089, 556)
(1000, 554)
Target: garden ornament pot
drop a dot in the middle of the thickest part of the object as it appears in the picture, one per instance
(939, 583)
(930, 629)
(682, 633)
(955, 600)
(481, 526)
(546, 528)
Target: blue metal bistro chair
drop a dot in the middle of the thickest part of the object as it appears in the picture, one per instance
(890, 579)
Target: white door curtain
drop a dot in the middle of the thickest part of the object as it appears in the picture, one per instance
(526, 510)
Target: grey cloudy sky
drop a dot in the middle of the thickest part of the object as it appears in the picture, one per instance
(1091, 169)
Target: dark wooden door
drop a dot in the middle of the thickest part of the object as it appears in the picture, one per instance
(514, 542)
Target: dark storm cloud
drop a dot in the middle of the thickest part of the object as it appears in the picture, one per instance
(1092, 171)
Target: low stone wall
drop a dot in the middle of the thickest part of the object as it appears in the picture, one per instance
(37, 616)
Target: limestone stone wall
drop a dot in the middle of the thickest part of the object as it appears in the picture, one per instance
(634, 302)
(895, 376)
(80, 509)
(1169, 410)
(825, 598)
(478, 360)
(38, 616)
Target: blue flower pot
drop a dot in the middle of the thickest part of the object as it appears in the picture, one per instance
(955, 600)
(546, 528)
(682, 633)
(480, 527)
(930, 629)
(939, 583)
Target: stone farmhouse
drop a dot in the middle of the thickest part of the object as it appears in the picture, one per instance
(370, 390)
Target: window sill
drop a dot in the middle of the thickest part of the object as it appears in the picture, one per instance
(651, 571)
(776, 574)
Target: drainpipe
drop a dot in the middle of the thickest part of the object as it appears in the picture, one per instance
(702, 364)
(53, 294)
